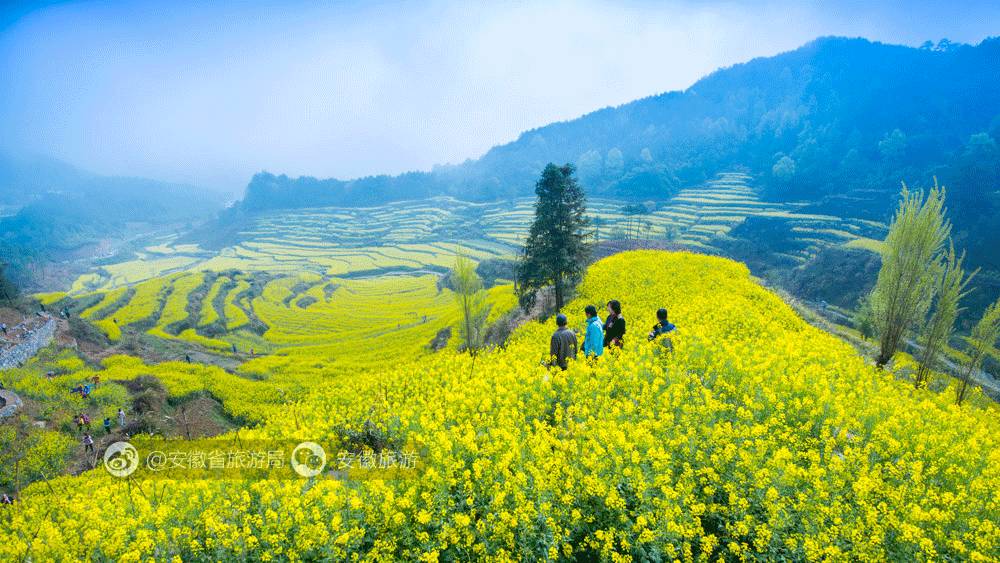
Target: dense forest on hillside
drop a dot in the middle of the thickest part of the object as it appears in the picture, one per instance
(835, 116)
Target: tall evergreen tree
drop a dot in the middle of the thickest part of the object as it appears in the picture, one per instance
(556, 250)
(911, 262)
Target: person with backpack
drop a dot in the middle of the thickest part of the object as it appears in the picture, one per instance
(614, 326)
(662, 328)
(88, 443)
(563, 344)
(593, 341)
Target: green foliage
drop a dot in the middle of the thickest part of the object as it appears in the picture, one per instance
(784, 168)
(911, 262)
(893, 145)
(8, 291)
(938, 331)
(30, 455)
(471, 298)
(982, 342)
(556, 250)
(864, 318)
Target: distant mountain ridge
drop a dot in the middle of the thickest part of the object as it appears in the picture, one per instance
(836, 124)
(845, 112)
(61, 208)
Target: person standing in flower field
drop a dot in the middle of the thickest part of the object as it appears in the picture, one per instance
(88, 443)
(614, 327)
(563, 345)
(121, 418)
(107, 425)
(662, 327)
(593, 341)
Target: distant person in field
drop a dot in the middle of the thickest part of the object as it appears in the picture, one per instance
(4, 499)
(86, 420)
(563, 344)
(614, 326)
(662, 326)
(662, 329)
(234, 348)
(121, 418)
(593, 341)
(107, 425)
(88, 443)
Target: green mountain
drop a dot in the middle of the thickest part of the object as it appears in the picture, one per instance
(837, 124)
(57, 212)
(851, 115)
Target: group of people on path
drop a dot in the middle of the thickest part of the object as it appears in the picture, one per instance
(83, 422)
(599, 334)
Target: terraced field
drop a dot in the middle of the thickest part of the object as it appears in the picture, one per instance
(309, 278)
(699, 218)
(234, 313)
(407, 236)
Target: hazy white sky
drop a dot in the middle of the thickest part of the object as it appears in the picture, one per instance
(209, 93)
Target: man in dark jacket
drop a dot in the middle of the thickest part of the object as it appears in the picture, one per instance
(563, 345)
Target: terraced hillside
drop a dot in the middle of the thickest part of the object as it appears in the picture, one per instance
(307, 278)
(409, 236)
(700, 218)
(234, 313)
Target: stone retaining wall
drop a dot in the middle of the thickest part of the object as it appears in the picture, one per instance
(17, 355)
(9, 403)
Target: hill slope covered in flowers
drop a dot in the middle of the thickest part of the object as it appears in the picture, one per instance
(759, 437)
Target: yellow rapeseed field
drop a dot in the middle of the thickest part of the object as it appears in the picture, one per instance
(758, 438)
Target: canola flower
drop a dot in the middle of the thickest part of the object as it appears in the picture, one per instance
(758, 438)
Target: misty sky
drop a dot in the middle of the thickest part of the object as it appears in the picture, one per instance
(210, 94)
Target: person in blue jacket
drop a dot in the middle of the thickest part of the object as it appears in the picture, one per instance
(663, 330)
(662, 326)
(593, 341)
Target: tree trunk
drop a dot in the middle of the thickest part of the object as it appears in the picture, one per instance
(887, 348)
(559, 293)
(965, 379)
